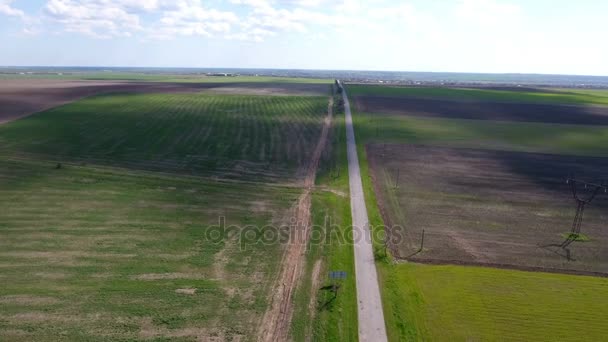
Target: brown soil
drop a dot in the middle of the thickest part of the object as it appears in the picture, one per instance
(27, 300)
(169, 276)
(277, 319)
(492, 208)
(436, 108)
(186, 291)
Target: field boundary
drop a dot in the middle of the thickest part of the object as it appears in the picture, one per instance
(439, 262)
(388, 223)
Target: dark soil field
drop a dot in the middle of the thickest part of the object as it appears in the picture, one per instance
(495, 208)
(483, 110)
(19, 98)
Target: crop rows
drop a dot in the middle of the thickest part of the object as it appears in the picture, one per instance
(105, 247)
(227, 136)
(94, 253)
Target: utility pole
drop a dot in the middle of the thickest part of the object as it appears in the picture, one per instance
(581, 205)
(397, 179)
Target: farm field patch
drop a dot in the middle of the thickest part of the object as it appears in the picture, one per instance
(96, 253)
(111, 207)
(464, 303)
(489, 207)
(484, 110)
(226, 136)
(509, 136)
(514, 95)
(457, 303)
(21, 97)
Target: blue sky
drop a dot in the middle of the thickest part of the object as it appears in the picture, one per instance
(522, 36)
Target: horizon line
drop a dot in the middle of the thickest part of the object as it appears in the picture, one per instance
(303, 69)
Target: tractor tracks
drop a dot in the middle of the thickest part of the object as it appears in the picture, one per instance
(276, 322)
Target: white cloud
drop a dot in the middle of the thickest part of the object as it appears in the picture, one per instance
(253, 3)
(254, 35)
(143, 5)
(98, 18)
(349, 6)
(258, 20)
(265, 19)
(190, 18)
(6, 9)
(269, 18)
(168, 19)
(488, 12)
(306, 3)
(112, 18)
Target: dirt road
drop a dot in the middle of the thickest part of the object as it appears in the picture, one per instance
(277, 320)
(371, 317)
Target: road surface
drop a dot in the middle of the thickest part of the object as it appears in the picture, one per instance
(371, 317)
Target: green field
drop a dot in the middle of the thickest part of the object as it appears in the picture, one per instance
(456, 303)
(228, 136)
(509, 136)
(91, 253)
(110, 207)
(446, 303)
(566, 96)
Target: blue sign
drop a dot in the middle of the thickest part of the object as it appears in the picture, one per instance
(337, 275)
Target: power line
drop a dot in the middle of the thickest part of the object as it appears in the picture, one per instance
(581, 205)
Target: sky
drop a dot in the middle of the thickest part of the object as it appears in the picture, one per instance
(489, 36)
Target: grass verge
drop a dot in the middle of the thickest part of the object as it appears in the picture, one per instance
(319, 315)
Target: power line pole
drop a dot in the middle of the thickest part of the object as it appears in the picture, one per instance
(581, 205)
(397, 178)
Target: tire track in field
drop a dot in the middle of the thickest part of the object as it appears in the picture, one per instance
(277, 319)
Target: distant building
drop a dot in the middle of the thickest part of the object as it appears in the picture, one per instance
(220, 74)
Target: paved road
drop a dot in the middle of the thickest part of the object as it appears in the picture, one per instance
(371, 318)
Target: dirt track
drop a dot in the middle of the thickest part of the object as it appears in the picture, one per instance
(277, 320)
(19, 98)
(564, 114)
